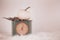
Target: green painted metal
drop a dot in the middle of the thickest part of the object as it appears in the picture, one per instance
(15, 22)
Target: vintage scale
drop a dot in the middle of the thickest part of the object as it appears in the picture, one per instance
(21, 24)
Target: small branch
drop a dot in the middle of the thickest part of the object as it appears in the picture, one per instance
(27, 8)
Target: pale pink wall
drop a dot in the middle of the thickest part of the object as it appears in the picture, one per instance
(45, 14)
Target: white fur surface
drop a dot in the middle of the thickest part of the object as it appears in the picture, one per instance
(38, 36)
(26, 37)
(49, 35)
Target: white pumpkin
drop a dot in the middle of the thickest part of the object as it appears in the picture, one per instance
(22, 14)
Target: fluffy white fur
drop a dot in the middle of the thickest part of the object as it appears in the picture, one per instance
(26, 37)
(39, 36)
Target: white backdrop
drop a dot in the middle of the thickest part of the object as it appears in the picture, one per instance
(45, 14)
